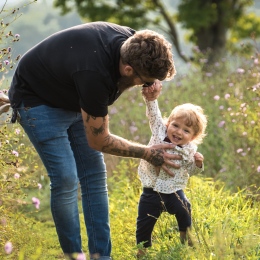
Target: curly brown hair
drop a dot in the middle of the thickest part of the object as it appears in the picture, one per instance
(150, 54)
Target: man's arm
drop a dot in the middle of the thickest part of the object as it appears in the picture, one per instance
(99, 138)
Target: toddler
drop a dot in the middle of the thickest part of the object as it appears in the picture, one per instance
(185, 128)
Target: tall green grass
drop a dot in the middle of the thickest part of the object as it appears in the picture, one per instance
(225, 225)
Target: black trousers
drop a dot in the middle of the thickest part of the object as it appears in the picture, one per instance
(150, 207)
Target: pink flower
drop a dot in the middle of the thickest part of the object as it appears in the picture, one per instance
(16, 175)
(113, 111)
(39, 186)
(15, 153)
(133, 129)
(227, 96)
(216, 97)
(258, 168)
(240, 150)
(81, 256)
(36, 202)
(8, 247)
(240, 71)
(17, 131)
(221, 124)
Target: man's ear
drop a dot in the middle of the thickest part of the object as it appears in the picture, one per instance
(128, 70)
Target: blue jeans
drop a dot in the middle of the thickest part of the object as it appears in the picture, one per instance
(59, 137)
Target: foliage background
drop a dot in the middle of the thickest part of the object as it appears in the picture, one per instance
(225, 198)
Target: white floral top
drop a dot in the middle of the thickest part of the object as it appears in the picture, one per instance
(163, 182)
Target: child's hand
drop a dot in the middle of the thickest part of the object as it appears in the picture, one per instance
(198, 159)
(151, 93)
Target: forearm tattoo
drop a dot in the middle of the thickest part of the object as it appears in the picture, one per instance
(156, 157)
(117, 147)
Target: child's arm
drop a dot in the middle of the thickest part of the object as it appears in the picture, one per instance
(153, 92)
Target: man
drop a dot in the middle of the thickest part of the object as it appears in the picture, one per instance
(61, 91)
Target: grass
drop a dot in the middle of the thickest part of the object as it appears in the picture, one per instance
(225, 225)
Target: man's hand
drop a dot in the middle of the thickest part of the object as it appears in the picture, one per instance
(160, 158)
(151, 93)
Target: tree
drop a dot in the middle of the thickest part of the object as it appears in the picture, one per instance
(208, 21)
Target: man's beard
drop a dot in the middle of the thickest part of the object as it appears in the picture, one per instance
(125, 83)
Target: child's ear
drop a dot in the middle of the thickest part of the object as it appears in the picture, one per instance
(193, 137)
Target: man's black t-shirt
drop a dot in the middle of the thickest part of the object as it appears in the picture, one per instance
(72, 69)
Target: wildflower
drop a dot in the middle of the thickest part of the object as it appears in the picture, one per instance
(17, 131)
(216, 97)
(16, 175)
(15, 153)
(39, 186)
(196, 49)
(113, 111)
(81, 256)
(258, 168)
(244, 133)
(221, 107)
(8, 247)
(240, 150)
(227, 96)
(252, 122)
(240, 71)
(3, 221)
(36, 202)
(132, 129)
(221, 124)
(230, 84)
(6, 62)
(256, 61)
(208, 74)
(17, 35)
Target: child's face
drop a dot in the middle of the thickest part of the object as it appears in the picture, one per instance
(179, 133)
